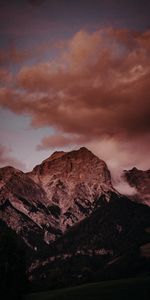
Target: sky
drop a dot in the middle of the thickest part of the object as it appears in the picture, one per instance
(73, 74)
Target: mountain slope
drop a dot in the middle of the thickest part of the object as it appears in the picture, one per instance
(23, 207)
(57, 194)
(107, 244)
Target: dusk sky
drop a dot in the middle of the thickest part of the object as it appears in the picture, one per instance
(75, 73)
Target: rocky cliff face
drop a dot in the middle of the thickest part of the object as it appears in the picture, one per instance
(140, 180)
(23, 207)
(58, 193)
(72, 182)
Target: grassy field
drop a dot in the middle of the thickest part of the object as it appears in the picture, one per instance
(125, 289)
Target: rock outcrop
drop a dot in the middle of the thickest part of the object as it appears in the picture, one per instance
(140, 180)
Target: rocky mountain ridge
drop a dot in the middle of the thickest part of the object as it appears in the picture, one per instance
(68, 213)
(57, 194)
(72, 182)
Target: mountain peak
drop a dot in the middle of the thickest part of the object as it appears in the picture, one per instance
(84, 149)
(73, 181)
(82, 153)
(137, 172)
(74, 162)
(55, 155)
(134, 169)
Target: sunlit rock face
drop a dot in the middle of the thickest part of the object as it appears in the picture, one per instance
(58, 193)
(23, 207)
(140, 180)
(73, 181)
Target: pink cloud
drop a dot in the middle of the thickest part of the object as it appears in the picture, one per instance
(5, 76)
(60, 141)
(54, 141)
(97, 89)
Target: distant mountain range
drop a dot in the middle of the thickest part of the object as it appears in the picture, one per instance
(67, 213)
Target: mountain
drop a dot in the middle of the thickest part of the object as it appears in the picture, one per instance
(68, 214)
(140, 180)
(72, 182)
(57, 194)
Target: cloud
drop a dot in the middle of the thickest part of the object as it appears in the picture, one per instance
(123, 155)
(96, 90)
(7, 159)
(60, 141)
(124, 188)
(5, 76)
(54, 141)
